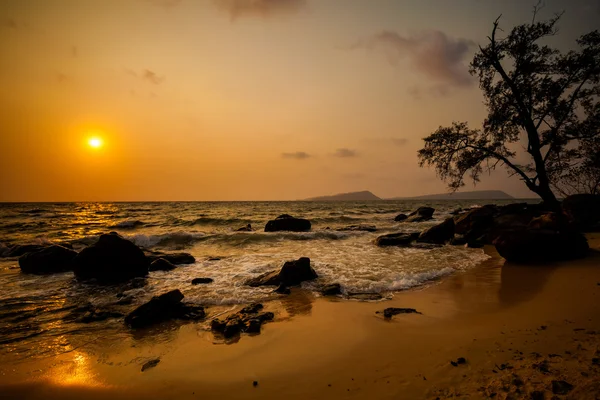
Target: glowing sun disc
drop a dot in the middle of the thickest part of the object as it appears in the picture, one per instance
(95, 142)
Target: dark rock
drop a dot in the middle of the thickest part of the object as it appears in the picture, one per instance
(255, 383)
(332, 289)
(421, 214)
(400, 217)
(292, 273)
(537, 395)
(150, 364)
(247, 228)
(359, 228)
(161, 265)
(173, 258)
(391, 311)
(96, 316)
(479, 219)
(252, 308)
(288, 223)
(533, 246)
(458, 240)
(265, 317)
(438, 234)
(396, 239)
(198, 281)
(365, 296)
(461, 360)
(162, 308)
(112, 259)
(583, 210)
(235, 324)
(550, 221)
(233, 327)
(282, 289)
(47, 260)
(253, 326)
(561, 387)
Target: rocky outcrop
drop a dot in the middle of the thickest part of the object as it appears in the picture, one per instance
(396, 239)
(438, 234)
(47, 260)
(173, 258)
(536, 246)
(400, 217)
(583, 210)
(161, 264)
(477, 219)
(286, 222)
(111, 259)
(292, 273)
(162, 308)
(421, 214)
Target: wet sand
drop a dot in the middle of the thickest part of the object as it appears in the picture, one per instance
(518, 327)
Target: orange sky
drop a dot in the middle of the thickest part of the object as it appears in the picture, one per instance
(240, 99)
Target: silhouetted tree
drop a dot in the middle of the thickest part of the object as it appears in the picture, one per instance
(535, 95)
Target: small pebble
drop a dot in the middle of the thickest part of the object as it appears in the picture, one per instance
(255, 383)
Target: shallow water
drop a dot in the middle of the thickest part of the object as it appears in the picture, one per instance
(36, 308)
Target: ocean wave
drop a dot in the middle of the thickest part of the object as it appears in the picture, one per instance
(128, 224)
(220, 221)
(35, 211)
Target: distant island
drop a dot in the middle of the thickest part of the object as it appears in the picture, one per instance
(473, 195)
(352, 196)
(366, 195)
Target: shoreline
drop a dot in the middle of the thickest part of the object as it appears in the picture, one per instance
(491, 315)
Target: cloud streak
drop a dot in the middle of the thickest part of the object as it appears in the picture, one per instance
(259, 8)
(298, 155)
(345, 153)
(431, 53)
(152, 77)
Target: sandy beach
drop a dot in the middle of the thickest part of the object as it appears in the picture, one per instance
(519, 328)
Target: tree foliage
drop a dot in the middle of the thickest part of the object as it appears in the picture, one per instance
(537, 97)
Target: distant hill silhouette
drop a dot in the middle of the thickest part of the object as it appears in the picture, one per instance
(474, 195)
(352, 196)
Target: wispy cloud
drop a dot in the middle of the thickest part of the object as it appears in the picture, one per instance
(345, 153)
(298, 155)
(259, 8)
(432, 53)
(399, 141)
(152, 77)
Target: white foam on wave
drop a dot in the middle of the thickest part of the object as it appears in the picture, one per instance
(175, 238)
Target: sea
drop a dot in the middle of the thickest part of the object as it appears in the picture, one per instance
(34, 310)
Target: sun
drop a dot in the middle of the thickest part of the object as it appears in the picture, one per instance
(95, 142)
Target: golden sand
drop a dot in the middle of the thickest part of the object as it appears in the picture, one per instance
(518, 327)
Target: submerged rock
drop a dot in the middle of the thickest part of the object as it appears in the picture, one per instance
(561, 387)
(173, 258)
(438, 234)
(47, 260)
(400, 217)
(333, 289)
(20, 249)
(282, 289)
(534, 246)
(365, 296)
(359, 228)
(391, 311)
(421, 214)
(110, 260)
(247, 228)
(396, 239)
(150, 364)
(163, 308)
(248, 322)
(292, 273)
(286, 222)
(199, 281)
(161, 264)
